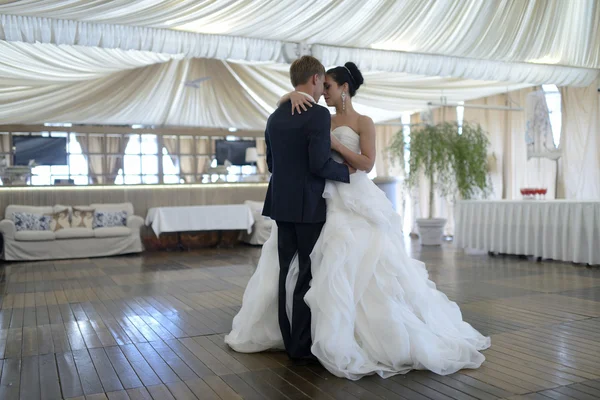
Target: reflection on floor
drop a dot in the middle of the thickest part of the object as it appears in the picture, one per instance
(152, 326)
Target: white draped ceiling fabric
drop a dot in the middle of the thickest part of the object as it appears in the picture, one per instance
(546, 31)
(49, 83)
(124, 62)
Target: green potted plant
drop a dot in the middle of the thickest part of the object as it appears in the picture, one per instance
(455, 163)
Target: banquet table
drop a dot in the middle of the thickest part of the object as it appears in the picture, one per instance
(200, 218)
(556, 229)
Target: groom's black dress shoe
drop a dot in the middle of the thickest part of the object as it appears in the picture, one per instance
(303, 361)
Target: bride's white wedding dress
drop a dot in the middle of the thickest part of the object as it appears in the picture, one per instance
(374, 310)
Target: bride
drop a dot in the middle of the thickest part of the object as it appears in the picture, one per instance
(374, 309)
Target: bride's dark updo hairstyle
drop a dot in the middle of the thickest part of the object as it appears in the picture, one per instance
(349, 74)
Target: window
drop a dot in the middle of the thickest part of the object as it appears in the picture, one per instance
(134, 158)
(140, 162)
(405, 118)
(553, 100)
(460, 116)
(407, 204)
(76, 168)
(237, 173)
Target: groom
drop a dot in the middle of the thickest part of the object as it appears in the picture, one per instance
(299, 159)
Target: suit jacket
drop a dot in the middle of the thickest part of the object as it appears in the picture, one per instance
(299, 159)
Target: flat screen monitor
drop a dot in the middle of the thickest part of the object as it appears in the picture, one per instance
(44, 150)
(233, 150)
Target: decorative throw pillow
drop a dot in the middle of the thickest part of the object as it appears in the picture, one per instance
(60, 220)
(109, 219)
(83, 217)
(31, 222)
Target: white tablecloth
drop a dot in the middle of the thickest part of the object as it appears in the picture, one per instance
(200, 218)
(558, 229)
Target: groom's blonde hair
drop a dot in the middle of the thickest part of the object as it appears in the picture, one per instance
(303, 68)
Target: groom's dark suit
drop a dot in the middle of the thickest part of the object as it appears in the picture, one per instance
(299, 159)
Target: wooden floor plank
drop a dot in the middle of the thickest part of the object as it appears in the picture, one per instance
(330, 387)
(90, 381)
(143, 370)
(227, 360)
(120, 395)
(30, 341)
(108, 376)
(159, 366)
(237, 384)
(462, 387)
(14, 343)
(160, 392)
(152, 327)
(139, 394)
(123, 369)
(10, 381)
(49, 379)
(205, 357)
(222, 389)
(30, 378)
(181, 391)
(193, 362)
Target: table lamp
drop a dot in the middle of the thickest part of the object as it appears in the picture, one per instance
(251, 155)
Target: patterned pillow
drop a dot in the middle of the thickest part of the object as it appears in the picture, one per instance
(60, 220)
(83, 217)
(31, 222)
(108, 219)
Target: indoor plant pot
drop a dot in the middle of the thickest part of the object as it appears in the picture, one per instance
(431, 231)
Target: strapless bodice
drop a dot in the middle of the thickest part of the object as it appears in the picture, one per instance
(348, 138)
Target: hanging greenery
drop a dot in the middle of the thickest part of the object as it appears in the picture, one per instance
(455, 163)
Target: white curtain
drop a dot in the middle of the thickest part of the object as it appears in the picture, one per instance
(38, 64)
(436, 65)
(235, 94)
(545, 31)
(510, 170)
(415, 195)
(190, 150)
(5, 147)
(203, 146)
(384, 96)
(153, 95)
(385, 164)
(93, 144)
(16, 28)
(388, 166)
(443, 205)
(105, 164)
(494, 123)
(257, 47)
(580, 142)
(520, 172)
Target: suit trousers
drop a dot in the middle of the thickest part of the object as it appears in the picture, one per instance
(296, 238)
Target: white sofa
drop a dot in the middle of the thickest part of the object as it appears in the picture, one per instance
(261, 230)
(70, 242)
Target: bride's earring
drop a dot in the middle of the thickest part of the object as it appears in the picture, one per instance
(343, 101)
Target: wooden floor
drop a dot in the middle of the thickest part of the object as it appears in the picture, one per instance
(151, 327)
